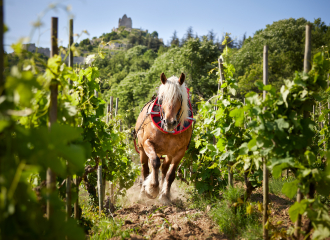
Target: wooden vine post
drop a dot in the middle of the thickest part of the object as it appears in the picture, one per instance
(2, 79)
(307, 68)
(328, 103)
(112, 186)
(68, 179)
(70, 57)
(99, 176)
(222, 79)
(51, 177)
(264, 160)
(112, 199)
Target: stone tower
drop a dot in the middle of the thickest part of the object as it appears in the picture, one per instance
(125, 21)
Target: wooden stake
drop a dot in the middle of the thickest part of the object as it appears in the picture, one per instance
(99, 187)
(308, 48)
(328, 102)
(222, 76)
(51, 177)
(112, 199)
(307, 68)
(116, 110)
(70, 42)
(99, 176)
(264, 160)
(2, 79)
(108, 114)
(68, 197)
(68, 179)
(76, 204)
(111, 106)
(70, 45)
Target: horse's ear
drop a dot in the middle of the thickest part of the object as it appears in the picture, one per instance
(163, 78)
(182, 78)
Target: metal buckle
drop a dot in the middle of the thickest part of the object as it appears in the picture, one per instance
(168, 131)
(192, 119)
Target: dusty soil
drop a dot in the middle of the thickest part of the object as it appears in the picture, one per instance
(152, 220)
(167, 222)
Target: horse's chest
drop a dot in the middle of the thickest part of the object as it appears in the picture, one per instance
(168, 144)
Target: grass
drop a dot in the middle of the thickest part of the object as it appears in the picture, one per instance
(229, 213)
(109, 228)
(234, 218)
(99, 227)
(275, 185)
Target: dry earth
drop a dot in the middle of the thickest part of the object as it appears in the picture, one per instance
(152, 220)
(161, 222)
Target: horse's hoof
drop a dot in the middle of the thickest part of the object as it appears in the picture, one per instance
(150, 192)
(150, 189)
(142, 196)
(165, 200)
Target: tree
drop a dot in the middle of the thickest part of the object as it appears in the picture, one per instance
(194, 59)
(84, 42)
(211, 35)
(189, 34)
(154, 34)
(241, 41)
(174, 39)
(285, 40)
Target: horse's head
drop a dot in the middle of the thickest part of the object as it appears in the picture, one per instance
(173, 94)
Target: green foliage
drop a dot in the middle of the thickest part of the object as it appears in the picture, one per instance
(107, 229)
(285, 40)
(80, 137)
(84, 42)
(29, 147)
(276, 185)
(233, 218)
(136, 73)
(277, 128)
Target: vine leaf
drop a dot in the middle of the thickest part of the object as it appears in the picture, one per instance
(296, 209)
(290, 189)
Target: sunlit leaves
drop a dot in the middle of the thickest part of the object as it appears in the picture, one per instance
(22, 85)
(297, 208)
(290, 188)
(238, 115)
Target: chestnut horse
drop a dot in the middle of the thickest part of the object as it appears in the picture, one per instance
(153, 142)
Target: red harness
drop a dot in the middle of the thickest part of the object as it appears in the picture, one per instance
(156, 119)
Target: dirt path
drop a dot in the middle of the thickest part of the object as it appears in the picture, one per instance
(152, 220)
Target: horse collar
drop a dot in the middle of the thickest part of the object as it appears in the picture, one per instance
(157, 117)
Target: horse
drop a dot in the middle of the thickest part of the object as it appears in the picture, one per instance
(154, 142)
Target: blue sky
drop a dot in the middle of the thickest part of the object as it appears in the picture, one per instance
(100, 16)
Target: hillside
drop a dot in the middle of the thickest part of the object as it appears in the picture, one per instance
(132, 73)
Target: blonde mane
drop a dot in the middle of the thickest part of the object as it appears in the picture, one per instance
(172, 91)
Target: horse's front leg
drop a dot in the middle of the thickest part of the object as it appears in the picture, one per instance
(166, 164)
(151, 184)
(171, 167)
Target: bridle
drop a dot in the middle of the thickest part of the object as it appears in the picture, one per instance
(178, 116)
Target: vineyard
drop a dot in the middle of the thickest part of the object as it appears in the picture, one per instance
(67, 159)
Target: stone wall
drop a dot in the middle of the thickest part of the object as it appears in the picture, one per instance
(125, 21)
(31, 47)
